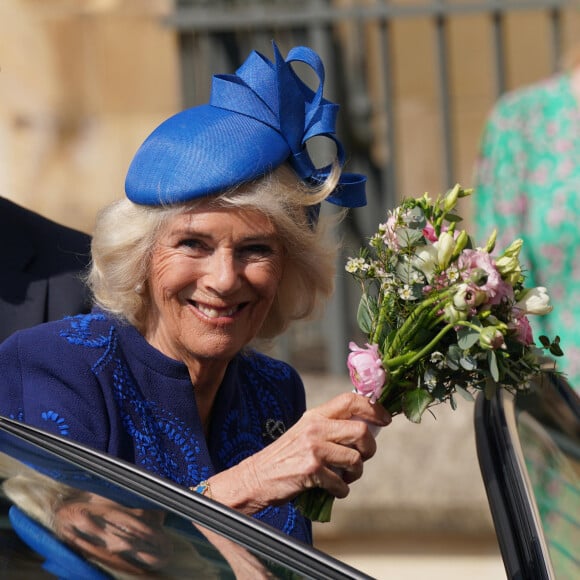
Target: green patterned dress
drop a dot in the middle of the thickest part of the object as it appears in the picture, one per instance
(528, 186)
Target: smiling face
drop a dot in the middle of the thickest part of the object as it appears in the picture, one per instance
(214, 275)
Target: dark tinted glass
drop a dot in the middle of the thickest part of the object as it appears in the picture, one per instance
(548, 425)
(529, 450)
(73, 513)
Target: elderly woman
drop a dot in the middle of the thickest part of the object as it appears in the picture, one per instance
(217, 244)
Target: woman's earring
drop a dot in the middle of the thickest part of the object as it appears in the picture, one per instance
(139, 289)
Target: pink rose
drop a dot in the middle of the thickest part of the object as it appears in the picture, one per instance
(366, 370)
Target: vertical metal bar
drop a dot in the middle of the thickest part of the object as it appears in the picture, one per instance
(389, 171)
(498, 52)
(444, 94)
(185, 42)
(334, 327)
(555, 16)
(187, 66)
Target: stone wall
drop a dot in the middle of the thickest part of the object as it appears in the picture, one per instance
(82, 83)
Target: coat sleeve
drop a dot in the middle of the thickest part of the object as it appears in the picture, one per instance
(42, 385)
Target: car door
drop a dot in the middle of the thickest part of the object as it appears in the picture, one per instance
(68, 511)
(529, 453)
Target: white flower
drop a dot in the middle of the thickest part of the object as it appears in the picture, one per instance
(354, 265)
(406, 293)
(445, 246)
(534, 301)
(425, 260)
(376, 241)
(467, 297)
(430, 379)
(388, 282)
(452, 273)
(438, 359)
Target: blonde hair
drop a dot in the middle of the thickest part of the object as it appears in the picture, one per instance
(125, 235)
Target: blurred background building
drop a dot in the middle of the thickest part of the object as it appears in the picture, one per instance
(83, 82)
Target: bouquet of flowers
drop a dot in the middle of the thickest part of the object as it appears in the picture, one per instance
(442, 317)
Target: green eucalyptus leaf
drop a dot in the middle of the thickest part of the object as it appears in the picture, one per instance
(364, 316)
(454, 354)
(467, 337)
(415, 219)
(468, 363)
(415, 403)
(409, 238)
(492, 362)
(452, 402)
(452, 364)
(464, 393)
(405, 271)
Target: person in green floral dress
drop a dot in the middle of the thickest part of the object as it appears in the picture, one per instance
(528, 186)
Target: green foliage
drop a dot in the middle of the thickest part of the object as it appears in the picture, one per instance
(553, 347)
(415, 403)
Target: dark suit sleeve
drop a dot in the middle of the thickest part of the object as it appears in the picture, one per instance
(64, 262)
(41, 268)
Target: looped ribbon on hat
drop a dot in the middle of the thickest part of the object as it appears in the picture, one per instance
(272, 93)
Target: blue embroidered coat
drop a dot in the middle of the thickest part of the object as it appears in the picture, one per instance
(101, 383)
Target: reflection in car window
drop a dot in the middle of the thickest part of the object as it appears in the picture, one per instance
(550, 439)
(60, 521)
(57, 520)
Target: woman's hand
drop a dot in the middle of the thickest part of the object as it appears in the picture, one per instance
(325, 449)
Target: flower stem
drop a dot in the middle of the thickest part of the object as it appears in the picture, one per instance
(431, 345)
(410, 324)
(381, 322)
(408, 359)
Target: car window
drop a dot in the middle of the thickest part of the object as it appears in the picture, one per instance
(70, 512)
(549, 432)
(529, 453)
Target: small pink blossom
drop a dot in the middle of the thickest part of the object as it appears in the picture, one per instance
(429, 232)
(390, 233)
(472, 262)
(366, 370)
(523, 330)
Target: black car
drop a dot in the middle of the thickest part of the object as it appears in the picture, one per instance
(70, 512)
(529, 454)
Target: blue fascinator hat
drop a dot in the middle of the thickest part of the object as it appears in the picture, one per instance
(256, 120)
